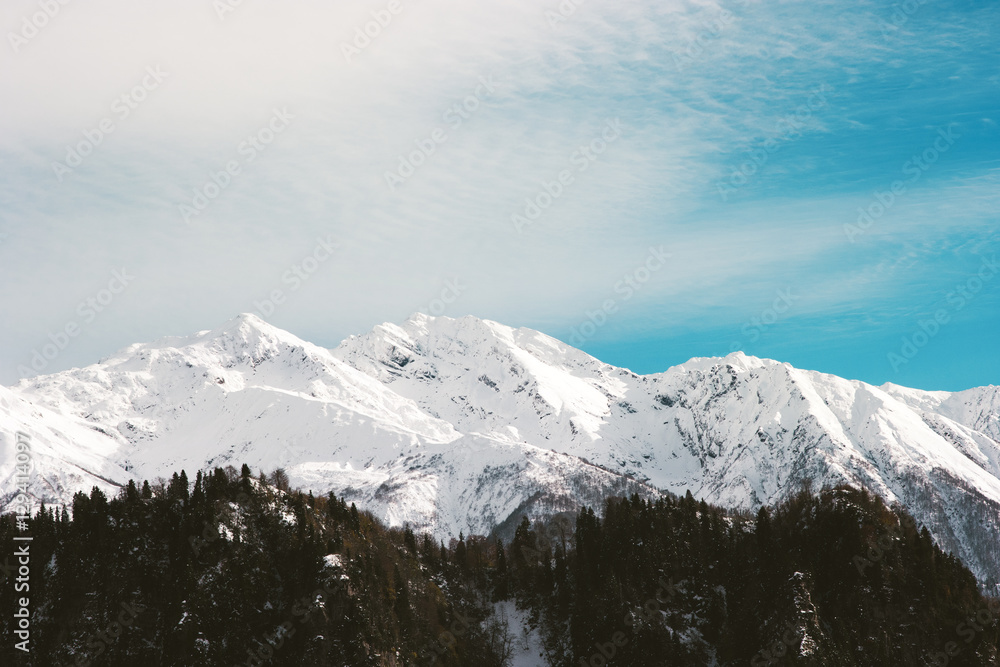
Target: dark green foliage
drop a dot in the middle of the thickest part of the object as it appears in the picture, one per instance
(410, 540)
(234, 568)
(834, 579)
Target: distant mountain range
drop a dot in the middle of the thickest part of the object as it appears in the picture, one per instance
(466, 424)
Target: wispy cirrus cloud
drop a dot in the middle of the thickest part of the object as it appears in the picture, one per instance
(696, 86)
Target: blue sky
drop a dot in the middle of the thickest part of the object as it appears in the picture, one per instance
(823, 106)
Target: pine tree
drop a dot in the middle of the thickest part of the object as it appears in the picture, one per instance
(210, 608)
(500, 586)
(402, 602)
(197, 495)
(461, 558)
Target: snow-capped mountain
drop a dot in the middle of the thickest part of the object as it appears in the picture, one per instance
(465, 424)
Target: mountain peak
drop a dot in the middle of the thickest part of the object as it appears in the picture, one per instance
(738, 360)
(443, 323)
(420, 319)
(249, 332)
(452, 423)
(250, 319)
(246, 322)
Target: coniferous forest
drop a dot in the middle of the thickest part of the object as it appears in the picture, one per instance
(235, 569)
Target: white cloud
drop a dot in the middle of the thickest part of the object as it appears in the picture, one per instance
(555, 88)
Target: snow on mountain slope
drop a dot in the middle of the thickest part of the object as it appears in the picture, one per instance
(74, 455)
(737, 431)
(483, 377)
(465, 424)
(971, 414)
(251, 393)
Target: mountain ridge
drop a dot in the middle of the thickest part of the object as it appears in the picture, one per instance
(457, 424)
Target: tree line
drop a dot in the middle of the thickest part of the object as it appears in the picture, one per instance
(237, 569)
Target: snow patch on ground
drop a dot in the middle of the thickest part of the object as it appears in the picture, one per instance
(527, 645)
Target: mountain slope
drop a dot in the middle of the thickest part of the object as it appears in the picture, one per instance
(462, 424)
(248, 392)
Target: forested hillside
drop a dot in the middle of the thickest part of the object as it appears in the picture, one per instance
(234, 569)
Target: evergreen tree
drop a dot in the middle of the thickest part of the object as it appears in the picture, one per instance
(500, 586)
(461, 558)
(680, 581)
